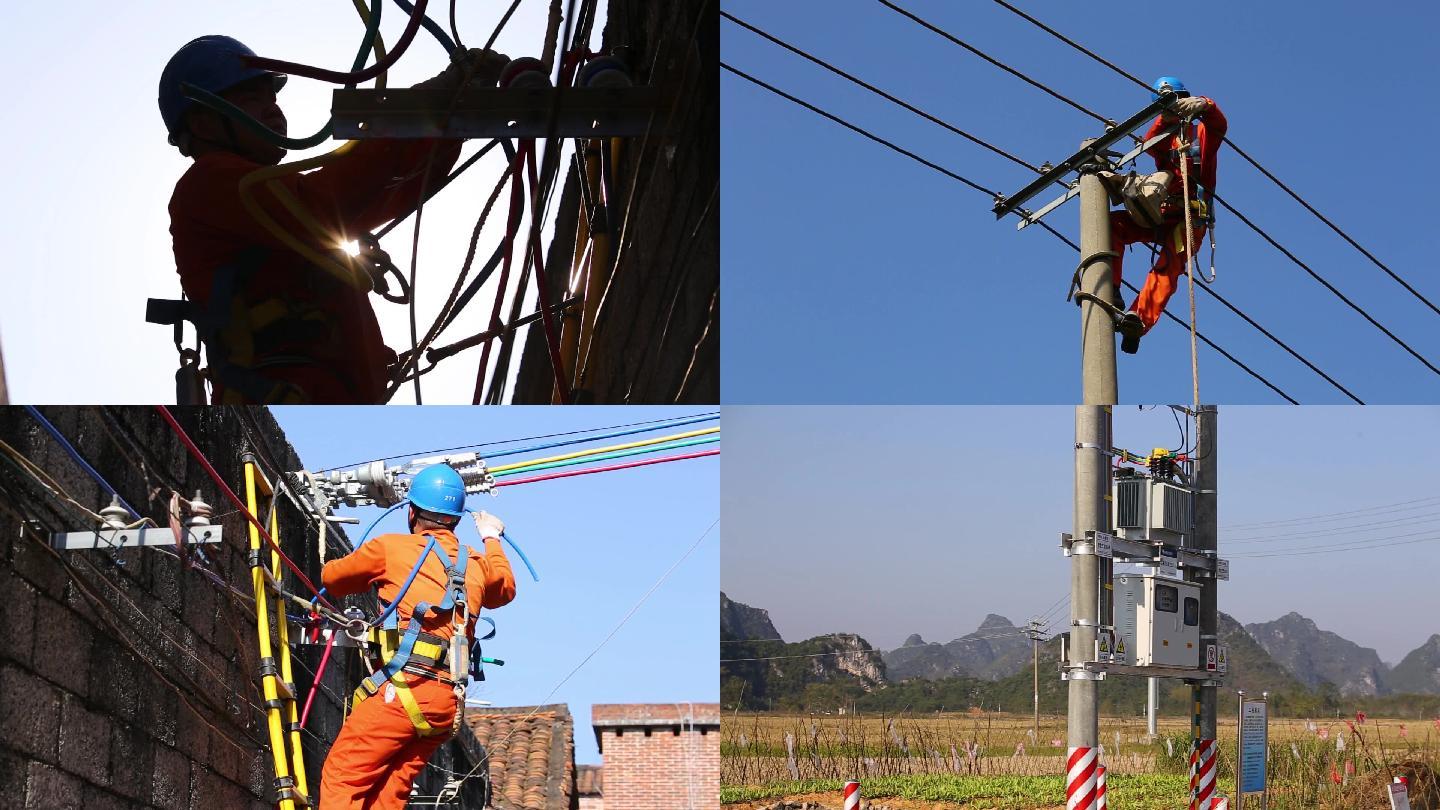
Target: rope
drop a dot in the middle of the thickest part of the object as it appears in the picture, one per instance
(1189, 267)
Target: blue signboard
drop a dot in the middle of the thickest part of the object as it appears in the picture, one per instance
(1254, 741)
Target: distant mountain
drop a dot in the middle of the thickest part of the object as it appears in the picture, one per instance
(994, 651)
(1418, 672)
(1316, 656)
(739, 620)
(1249, 666)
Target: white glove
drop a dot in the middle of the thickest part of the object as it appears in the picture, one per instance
(488, 525)
(1192, 107)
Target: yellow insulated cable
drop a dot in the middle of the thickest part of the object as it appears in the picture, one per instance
(598, 450)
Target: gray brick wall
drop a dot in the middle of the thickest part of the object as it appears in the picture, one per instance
(87, 718)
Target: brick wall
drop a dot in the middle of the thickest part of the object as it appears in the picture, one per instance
(126, 680)
(657, 336)
(661, 763)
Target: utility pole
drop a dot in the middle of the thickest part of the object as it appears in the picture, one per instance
(1206, 539)
(1033, 630)
(1152, 705)
(1097, 327)
(1092, 514)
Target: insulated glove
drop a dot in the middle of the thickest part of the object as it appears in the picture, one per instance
(482, 66)
(1192, 107)
(488, 525)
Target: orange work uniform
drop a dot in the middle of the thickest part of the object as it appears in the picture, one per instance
(327, 348)
(378, 753)
(1207, 133)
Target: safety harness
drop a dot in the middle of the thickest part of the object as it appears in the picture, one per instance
(242, 338)
(425, 655)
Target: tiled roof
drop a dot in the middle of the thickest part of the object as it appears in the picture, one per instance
(532, 755)
(587, 780)
(654, 714)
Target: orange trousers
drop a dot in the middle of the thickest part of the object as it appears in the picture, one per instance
(1163, 279)
(377, 755)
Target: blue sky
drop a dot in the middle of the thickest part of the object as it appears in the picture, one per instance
(853, 274)
(598, 542)
(887, 521)
(90, 178)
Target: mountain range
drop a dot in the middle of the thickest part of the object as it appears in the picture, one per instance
(1289, 655)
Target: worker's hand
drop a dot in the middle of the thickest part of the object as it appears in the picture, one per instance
(1192, 107)
(488, 525)
(483, 67)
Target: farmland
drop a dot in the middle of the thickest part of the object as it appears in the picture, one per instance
(996, 760)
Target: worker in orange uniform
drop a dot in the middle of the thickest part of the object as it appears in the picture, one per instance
(277, 328)
(1200, 139)
(409, 707)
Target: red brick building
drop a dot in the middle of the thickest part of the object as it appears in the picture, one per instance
(659, 756)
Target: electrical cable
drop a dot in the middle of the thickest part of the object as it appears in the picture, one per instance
(75, 455)
(1239, 152)
(872, 88)
(606, 640)
(1389, 507)
(1217, 197)
(1430, 518)
(1206, 289)
(595, 450)
(335, 77)
(434, 28)
(991, 194)
(625, 466)
(215, 103)
(646, 428)
(235, 499)
(613, 431)
(659, 448)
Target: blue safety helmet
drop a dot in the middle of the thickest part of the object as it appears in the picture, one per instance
(211, 62)
(1168, 83)
(438, 488)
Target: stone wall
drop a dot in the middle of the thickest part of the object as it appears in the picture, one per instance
(657, 336)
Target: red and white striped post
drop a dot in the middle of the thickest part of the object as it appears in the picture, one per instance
(852, 796)
(1080, 779)
(1100, 788)
(1202, 774)
(1218, 803)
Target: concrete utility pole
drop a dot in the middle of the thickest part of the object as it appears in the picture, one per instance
(1034, 632)
(1206, 539)
(1152, 705)
(1097, 328)
(1092, 514)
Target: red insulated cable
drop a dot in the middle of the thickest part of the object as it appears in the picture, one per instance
(230, 493)
(517, 207)
(319, 673)
(311, 72)
(552, 342)
(627, 465)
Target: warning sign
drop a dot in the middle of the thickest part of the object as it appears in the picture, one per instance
(1120, 650)
(1105, 644)
(1221, 653)
(1211, 658)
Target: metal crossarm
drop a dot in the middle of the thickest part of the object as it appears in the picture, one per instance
(493, 112)
(1027, 218)
(277, 681)
(1087, 154)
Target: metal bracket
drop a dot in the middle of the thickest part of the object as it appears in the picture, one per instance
(1140, 149)
(1087, 154)
(116, 539)
(494, 112)
(1152, 671)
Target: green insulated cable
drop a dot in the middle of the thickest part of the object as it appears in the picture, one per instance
(635, 451)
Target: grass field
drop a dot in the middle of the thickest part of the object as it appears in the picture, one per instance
(996, 760)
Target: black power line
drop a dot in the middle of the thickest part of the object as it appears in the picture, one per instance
(1027, 165)
(972, 184)
(1241, 152)
(992, 60)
